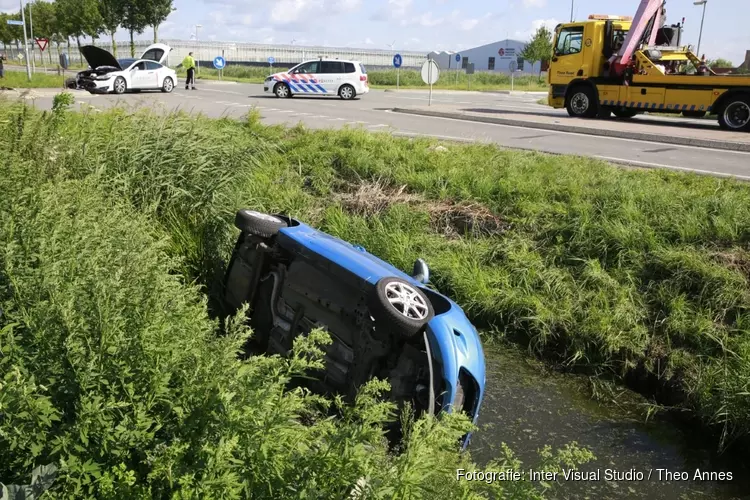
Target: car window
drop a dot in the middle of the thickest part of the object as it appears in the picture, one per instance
(362, 67)
(151, 65)
(332, 67)
(140, 66)
(569, 41)
(125, 63)
(153, 54)
(311, 67)
(349, 68)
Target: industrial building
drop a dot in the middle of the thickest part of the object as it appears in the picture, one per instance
(493, 57)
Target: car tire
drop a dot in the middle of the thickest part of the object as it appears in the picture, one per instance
(581, 103)
(167, 85)
(387, 306)
(120, 86)
(347, 92)
(624, 113)
(282, 90)
(259, 224)
(735, 114)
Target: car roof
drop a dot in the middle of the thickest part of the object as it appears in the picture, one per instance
(329, 59)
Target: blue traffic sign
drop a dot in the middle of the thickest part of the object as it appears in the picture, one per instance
(397, 61)
(271, 60)
(458, 57)
(219, 62)
(15, 23)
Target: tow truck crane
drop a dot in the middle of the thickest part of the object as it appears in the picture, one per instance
(624, 66)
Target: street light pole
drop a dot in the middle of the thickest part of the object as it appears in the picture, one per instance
(700, 35)
(572, 2)
(25, 41)
(198, 59)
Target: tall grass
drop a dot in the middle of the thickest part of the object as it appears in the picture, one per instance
(111, 229)
(19, 80)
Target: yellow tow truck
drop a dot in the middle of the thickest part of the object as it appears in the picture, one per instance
(624, 66)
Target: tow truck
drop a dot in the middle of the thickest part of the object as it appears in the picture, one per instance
(625, 65)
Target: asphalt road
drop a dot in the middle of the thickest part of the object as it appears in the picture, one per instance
(372, 112)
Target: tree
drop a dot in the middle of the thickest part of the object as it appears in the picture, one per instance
(539, 47)
(720, 63)
(45, 21)
(134, 19)
(112, 12)
(78, 18)
(156, 12)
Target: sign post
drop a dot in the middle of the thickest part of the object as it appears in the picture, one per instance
(458, 67)
(430, 75)
(42, 43)
(64, 65)
(397, 61)
(513, 66)
(219, 64)
(22, 23)
(469, 72)
(271, 60)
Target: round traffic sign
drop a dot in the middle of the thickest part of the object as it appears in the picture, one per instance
(430, 72)
(397, 61)
(513, 65)
(219, 62)
(458, 57)
(271, 60)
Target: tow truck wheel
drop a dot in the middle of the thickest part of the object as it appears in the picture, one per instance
(736, 114)
(582, 102)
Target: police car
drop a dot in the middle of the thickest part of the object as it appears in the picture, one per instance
(333, 77)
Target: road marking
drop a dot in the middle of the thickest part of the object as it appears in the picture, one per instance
(286, 111)
(378, 125)
(221, 91)
(670, 167)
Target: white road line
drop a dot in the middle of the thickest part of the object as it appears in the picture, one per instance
(531, 127)
(378, 125)
(319, 116)
(286, 111)
(670, 167)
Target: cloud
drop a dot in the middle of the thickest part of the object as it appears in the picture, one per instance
(291, 11)
(534, 3)
(535, 25)
(468, 24)
(393, 10)
(368, 41)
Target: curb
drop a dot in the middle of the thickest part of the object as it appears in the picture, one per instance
(472, 92)
(639, 136)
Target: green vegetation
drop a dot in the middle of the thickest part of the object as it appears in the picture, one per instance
(539, 48)
(408, 79)
(19, 80)
(111, 368)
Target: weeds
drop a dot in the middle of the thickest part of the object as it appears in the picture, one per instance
(111, 367)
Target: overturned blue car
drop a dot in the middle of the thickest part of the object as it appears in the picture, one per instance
(383, 322)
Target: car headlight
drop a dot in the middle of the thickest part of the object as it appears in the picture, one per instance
(103, 77)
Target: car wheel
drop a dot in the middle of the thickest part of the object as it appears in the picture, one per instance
(400, 305)
(624, 113)
(582, 102)
(736, 114)
(168, 85)
(347, 92)
(259, 224)
(120, 86)
(282, 90)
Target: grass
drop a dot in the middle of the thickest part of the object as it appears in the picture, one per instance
(18, 80)
(111, 367)
(408, 79)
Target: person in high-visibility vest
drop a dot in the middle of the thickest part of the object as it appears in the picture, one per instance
(189, 64)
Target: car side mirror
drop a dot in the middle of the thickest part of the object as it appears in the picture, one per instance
(421, 272)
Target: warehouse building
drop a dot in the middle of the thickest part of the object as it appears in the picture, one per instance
(494, 57)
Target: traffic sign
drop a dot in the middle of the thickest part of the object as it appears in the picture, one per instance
(458, 57)
(15, 23)
(271, 60)
(430, 72)
(397, 61)
(219, 62)
(42, 42)
(513, 65)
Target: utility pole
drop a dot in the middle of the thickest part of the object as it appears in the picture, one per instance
(198, 59)
(700, 35)
(572, 2)
(25, 41)
(31, 28)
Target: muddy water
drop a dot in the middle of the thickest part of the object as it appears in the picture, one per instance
(528, 407)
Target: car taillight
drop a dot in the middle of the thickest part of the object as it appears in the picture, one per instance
(363, 78)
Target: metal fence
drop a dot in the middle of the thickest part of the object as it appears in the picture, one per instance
(237, 53)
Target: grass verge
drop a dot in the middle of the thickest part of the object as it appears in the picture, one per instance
(112, 369)
(19, 80)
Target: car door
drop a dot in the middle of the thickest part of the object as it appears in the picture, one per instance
(157, 52)
(305, 79)
(331, 77)
(138, 76)
(568, 55)
(154, 74)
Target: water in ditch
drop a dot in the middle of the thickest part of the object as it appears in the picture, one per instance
(528, 407)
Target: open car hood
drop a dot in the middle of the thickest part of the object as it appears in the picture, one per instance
(97, 57)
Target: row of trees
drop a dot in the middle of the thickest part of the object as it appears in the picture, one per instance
(63, 20)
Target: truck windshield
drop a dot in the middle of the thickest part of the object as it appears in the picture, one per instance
(569, 41)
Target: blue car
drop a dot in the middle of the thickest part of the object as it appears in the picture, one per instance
(383, 322)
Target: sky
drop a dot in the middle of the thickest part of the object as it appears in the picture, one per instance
(429, 24)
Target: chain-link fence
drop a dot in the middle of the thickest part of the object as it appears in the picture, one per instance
(234, 53)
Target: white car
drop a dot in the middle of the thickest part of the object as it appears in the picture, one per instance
(335, 77)
(107, 74)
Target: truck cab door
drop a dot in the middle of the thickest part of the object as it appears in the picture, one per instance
(568, 58)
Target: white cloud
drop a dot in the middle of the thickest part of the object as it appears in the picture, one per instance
(393, 10)
(468, 24)
(291, 11)
(368, 41)
(534, 3)
(535, 25)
